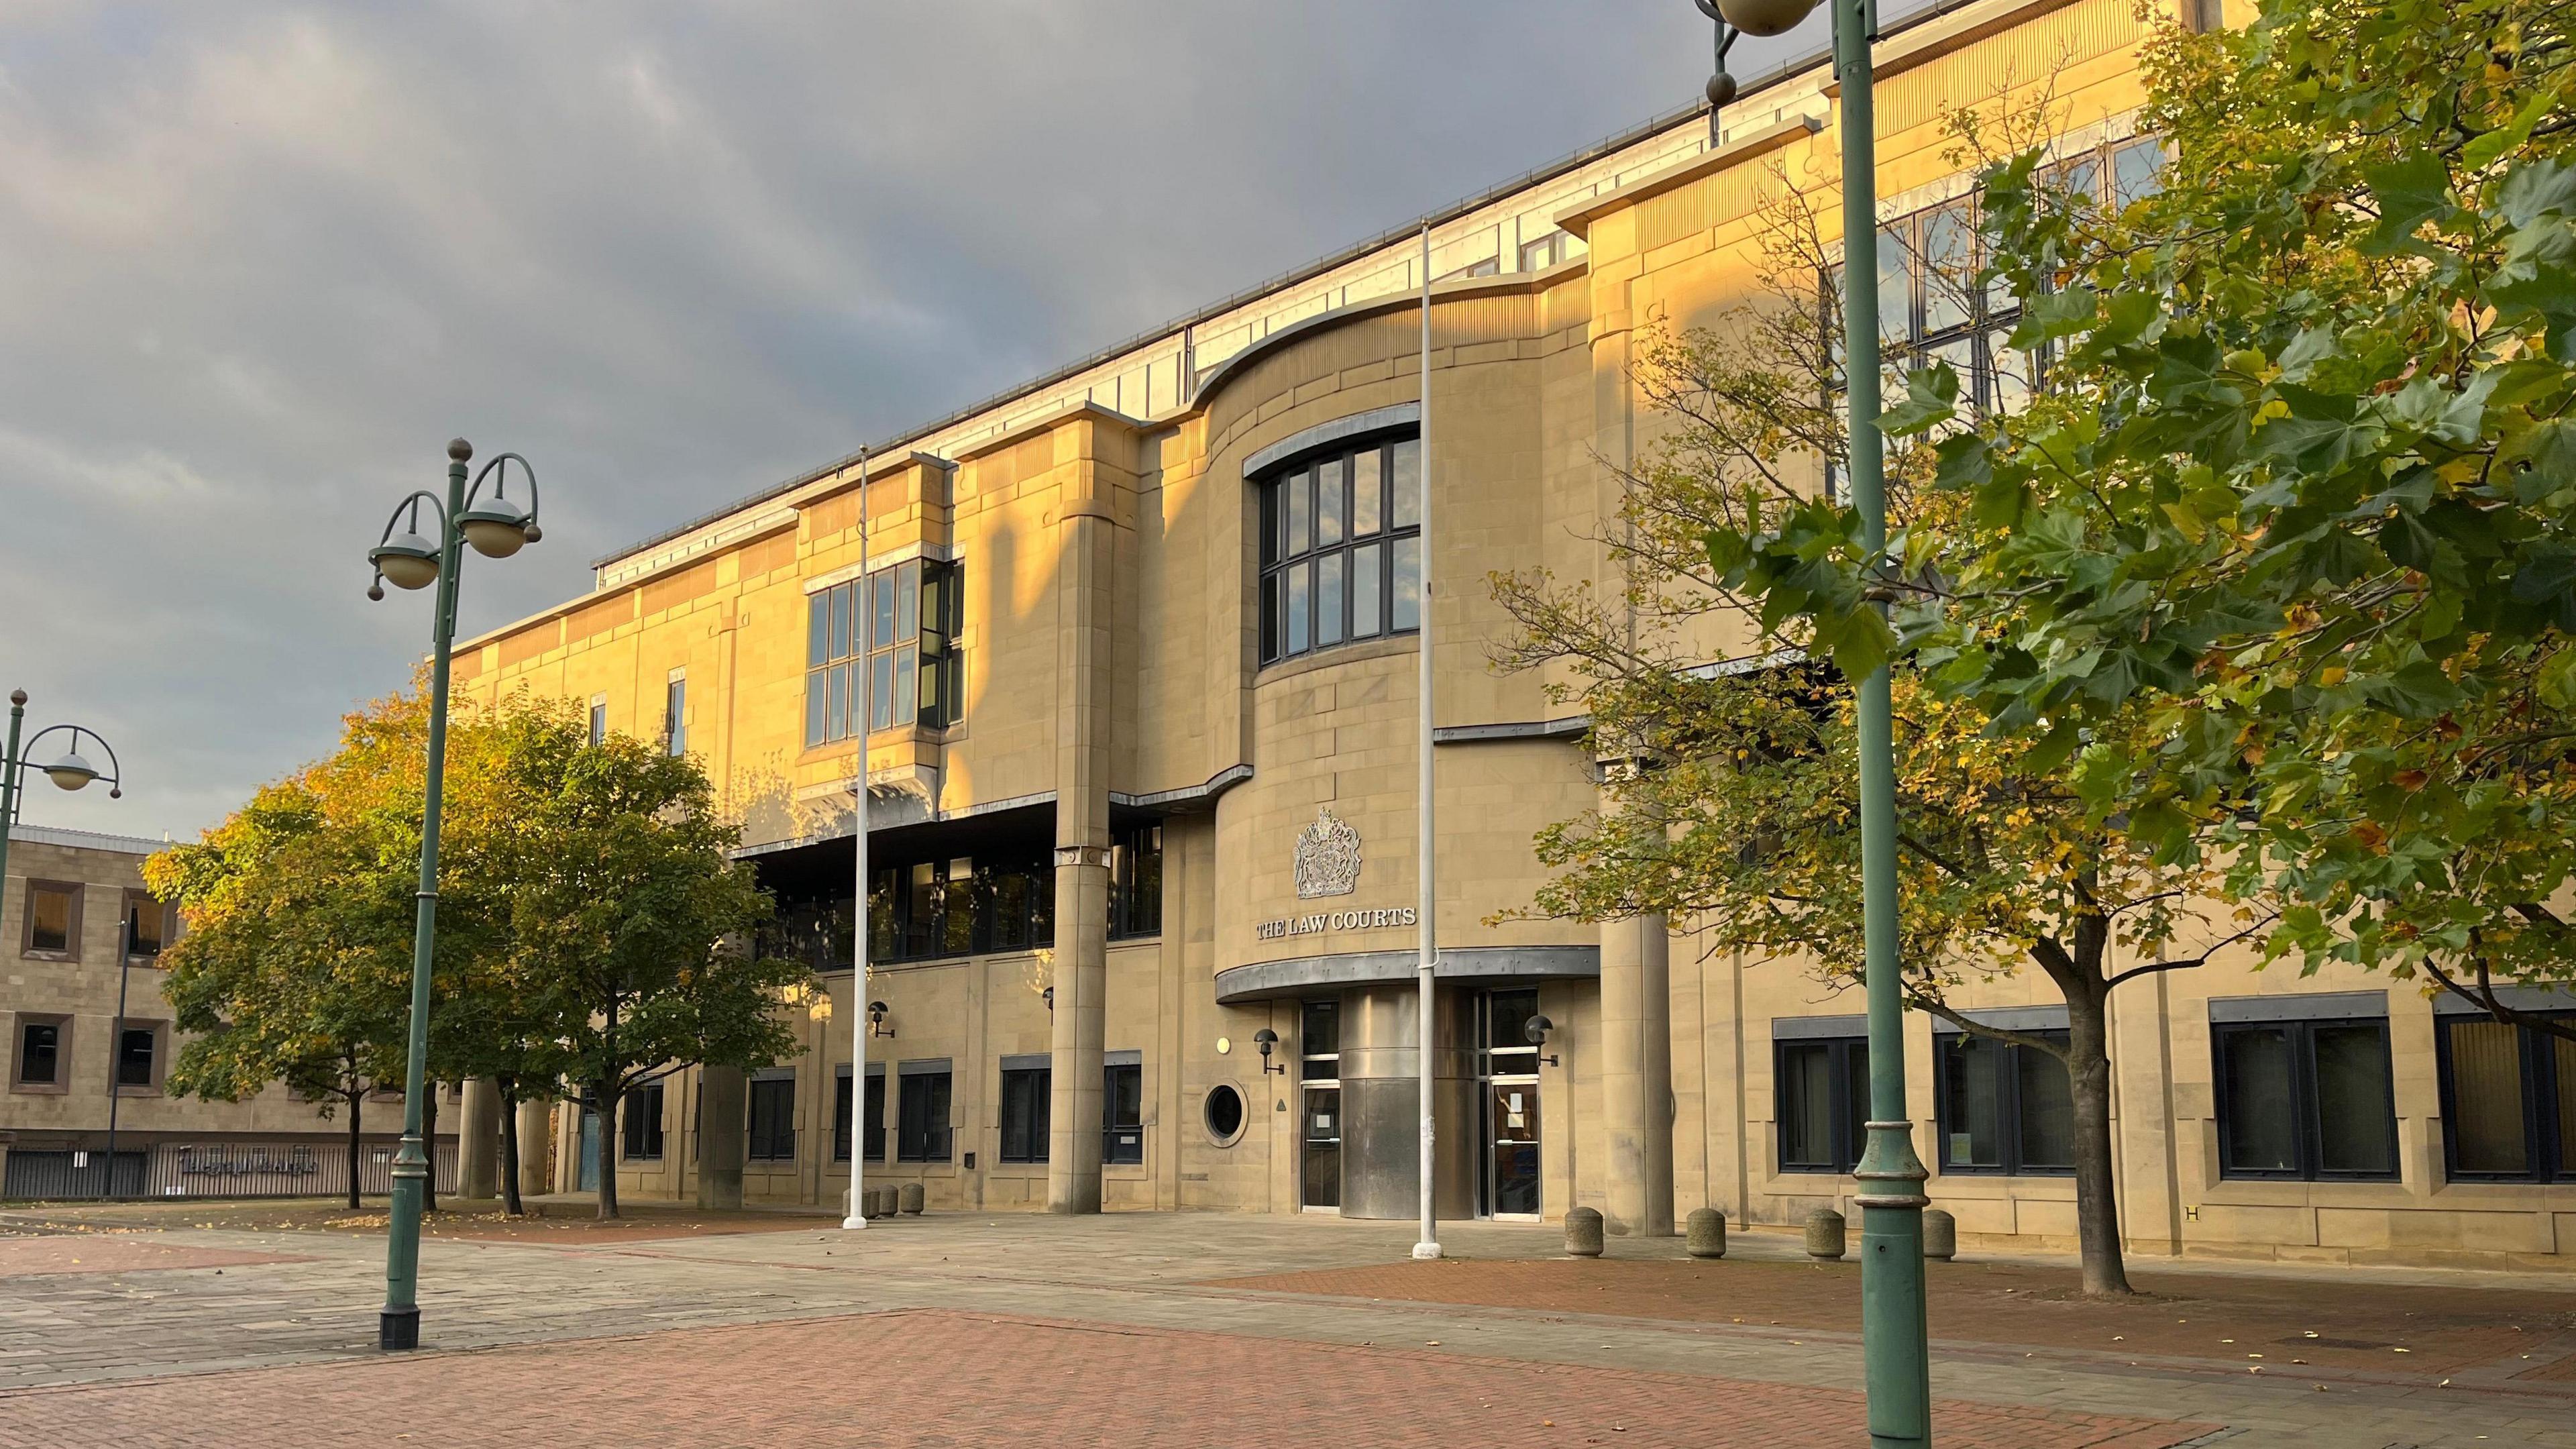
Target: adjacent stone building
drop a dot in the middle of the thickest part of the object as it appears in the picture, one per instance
(1143, 636)
(89, 1043)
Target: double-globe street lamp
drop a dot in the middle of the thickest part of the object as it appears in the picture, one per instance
(1893, 1325)
(410, 559)
(70, 770)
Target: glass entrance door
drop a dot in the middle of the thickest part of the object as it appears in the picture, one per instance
(1319, 1103)
(1509, 1176)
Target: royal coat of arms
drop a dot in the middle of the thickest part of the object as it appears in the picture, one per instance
(1328, 857)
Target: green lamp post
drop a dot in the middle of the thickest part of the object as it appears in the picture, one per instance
(1894, 1330)
(410, 559)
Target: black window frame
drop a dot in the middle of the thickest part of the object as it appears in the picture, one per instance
(2007, 1064)
(925, 1095)
(2545, 1135)
(923, 609)
(58, 1030)
(2306, 1125)
(640, 1136)
(1009, 901)
(1136, 881)
(1278, 560)
(675, 716)
(1026, 1098)
(1122, 1127)
(773, 1140)
(1847, 1109)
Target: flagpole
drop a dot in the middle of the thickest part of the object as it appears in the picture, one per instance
(1428, 937)
(862, 614)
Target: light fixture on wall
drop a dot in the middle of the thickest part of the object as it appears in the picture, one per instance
(1049, 994)
(1267, 1039)
(1536, 1030)
(876, 1020)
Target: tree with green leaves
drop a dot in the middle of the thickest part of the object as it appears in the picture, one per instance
(296, 966)
(1732, 802)
(632, 926)
(2298, 490)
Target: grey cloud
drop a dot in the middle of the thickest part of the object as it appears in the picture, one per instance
(259, 261)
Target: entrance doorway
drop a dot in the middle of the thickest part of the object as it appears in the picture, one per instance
(1319, 1104)
(1508, 1174)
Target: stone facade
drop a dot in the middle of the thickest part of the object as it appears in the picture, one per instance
(61, 1017)
(1109, 525)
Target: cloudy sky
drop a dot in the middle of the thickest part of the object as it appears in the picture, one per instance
(258, 262)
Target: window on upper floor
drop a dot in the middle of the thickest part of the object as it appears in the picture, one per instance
(1341, 548)
(885, 646)
(960, 906)
(599, 720)
(1136, 882)
(1547, 251)
(148, 926)
(53, 920)
(41, 1042)
(675, 715)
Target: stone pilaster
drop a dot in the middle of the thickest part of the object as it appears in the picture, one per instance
(1637, 1075)
(723, 1118)
(536, 1148)
(1085, 617)
(478, 1141)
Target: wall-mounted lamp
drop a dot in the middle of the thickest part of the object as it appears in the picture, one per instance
(876, 1020)
(1266, 1039)
(1049, 993)
(1536, 1030)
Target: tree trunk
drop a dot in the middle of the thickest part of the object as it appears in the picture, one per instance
(429, 1146)
(604, 1094)
(356, 1110)
(2097, 1207)
(510, 1202)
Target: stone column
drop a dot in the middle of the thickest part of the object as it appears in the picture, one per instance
(1084, 617)
(536, 1148)
(478, 1141)
(723, 1114)
(1637, 1075)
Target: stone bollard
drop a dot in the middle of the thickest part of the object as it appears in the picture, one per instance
(1825, 1235)
(1940, 1235)
(911, 1199)
(1583, 1232)
(1707, 1230)
(876, 1201)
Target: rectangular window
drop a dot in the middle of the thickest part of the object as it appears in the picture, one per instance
(1319, 1040)
(675, 716)
(135, 1050)
(147, 927)
(841, 1116)
(2004, 1107)
(40, 1053)
(876, 1123)
(1136, 882)
(1024, 1113)
(892, 636)
(1122, 1113)
(2508, 1100)
(641, 1121)
(1341, 549)
(1822, 1090)
(962, 906)
(773, 1119)
(53, 919)
(921, 1134)
(598, 722)
(2308, 1099)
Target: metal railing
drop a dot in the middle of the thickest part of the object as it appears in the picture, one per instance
(209, 1170)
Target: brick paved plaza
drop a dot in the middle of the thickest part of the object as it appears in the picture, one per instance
(147, 1327)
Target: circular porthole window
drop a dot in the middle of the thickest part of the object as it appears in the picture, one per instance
(1223, 1112)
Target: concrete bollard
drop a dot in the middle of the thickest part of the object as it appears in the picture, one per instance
(876, 1201)
(1940, 1235)
(911, 1198)
(1583, 1232)
(1825, 1235)
(1707, 1230)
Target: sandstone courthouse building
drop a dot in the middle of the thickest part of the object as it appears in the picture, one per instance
(1142, 638)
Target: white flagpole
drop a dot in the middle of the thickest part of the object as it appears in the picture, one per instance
(1429, 1247)
(861, 613)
